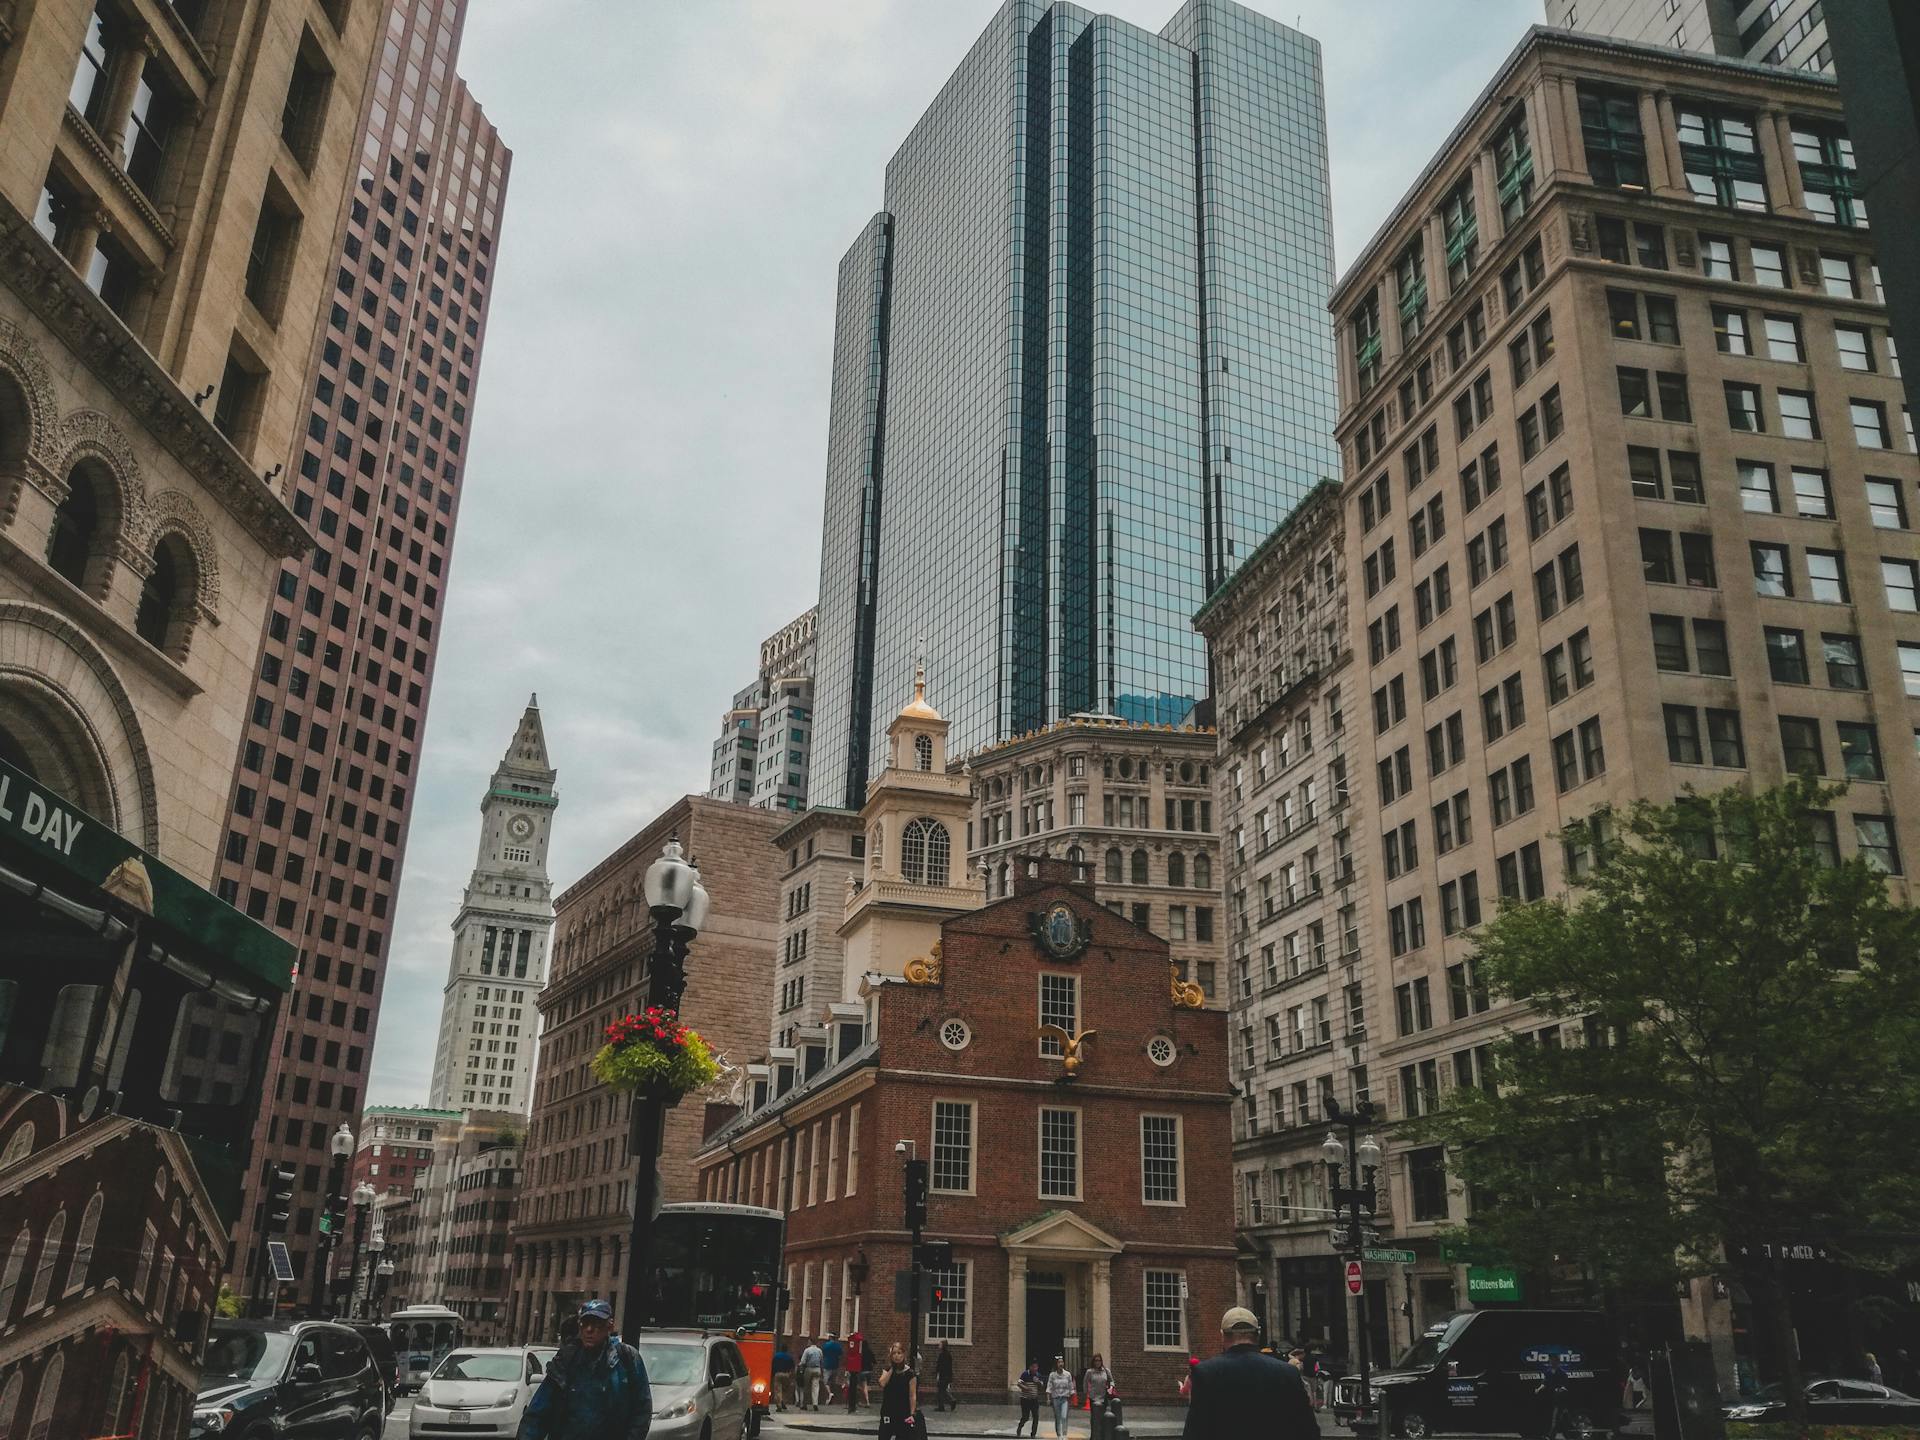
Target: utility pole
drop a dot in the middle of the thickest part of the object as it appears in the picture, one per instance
(1361, 1158)
(916, 1217)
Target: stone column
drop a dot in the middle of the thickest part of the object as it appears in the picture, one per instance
(1571, 154)
(1016, 1315)
(126, 63)
(1667, 139)
(1774, 135)
(1654, 121)
(1103, 1306)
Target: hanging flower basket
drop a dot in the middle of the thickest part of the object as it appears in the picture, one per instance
(654, 1055)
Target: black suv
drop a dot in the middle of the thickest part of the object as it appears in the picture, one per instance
(384, 1359)
(262, 1379)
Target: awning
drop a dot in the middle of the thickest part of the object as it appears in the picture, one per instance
(76, 855)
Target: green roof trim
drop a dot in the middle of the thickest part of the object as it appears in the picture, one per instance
(72, 851)
(1323, 491)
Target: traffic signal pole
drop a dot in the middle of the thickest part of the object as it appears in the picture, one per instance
(916, 1181)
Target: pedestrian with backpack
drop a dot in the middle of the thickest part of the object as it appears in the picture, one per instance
(595, 1389)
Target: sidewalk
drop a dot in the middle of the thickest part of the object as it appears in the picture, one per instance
(987, 1418)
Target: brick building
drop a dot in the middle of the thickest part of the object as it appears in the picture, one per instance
(320, 784)
(1089, 1207)
(1136, 802)
(571, 1224)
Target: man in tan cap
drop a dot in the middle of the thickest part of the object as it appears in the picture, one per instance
(1241, 1392)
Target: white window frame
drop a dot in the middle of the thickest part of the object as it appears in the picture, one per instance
(1180, 1347)
(973, 1147)
(963, 1269)
(853, 1150)
(1050, 1047)
(1040, 1151)
(1179, 1161)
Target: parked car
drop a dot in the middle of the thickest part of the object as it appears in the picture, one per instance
(482, 1390)
(1832, 1402)
(700, 1385)
(262, 1379)
(1485, 1372)
(380, 1343)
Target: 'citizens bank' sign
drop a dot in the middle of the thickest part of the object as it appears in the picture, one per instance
(73, 852)
(30, 813)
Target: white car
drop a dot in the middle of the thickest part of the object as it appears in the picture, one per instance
(476, 1392)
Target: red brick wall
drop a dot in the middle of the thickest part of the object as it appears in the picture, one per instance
(991, 969)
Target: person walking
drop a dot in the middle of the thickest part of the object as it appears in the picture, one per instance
(1874, 1372)
(943, 1379)
(1060, 1393)
(1029, 1388)
(899, 1397)
(595, 1388)
(1242, 1392)
(832, 1355)
(856, 1368)
(811, 1361)
(1096, 1383)
(783, 1377)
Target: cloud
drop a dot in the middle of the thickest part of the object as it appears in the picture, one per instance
(643, 491)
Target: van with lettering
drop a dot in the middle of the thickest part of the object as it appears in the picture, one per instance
(1494, 1372)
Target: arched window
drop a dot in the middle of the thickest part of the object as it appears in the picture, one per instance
(1076, 857)
(10, 1276)
(1139, 867)
(1202, 872)
(118, 1394)
(924, 852)
(49, 1391)
(157, 595)
(10, 1401)
(83, 1242)
(76, 529)
(1177, 869)
(50, 1246)
(1114, 866)
(923, 752)
(19, 1144)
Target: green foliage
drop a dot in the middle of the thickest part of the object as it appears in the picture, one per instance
(1751, 1064)
(227, 1304)
(646, 1065)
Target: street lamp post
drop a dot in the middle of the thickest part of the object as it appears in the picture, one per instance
(376, 1244)
(362, 1202)
(382, 1274)
(1361, 1157)
(325, 1237)
(678, 904)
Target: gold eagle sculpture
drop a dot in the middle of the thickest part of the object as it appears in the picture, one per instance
(1070, 1045)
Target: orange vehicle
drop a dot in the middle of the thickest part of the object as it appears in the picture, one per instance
(714, 1269)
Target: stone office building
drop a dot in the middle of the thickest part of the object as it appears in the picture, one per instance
(1302, 952)
(1617, 368)
(1134, 802)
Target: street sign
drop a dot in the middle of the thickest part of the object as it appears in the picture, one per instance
(282, 1261)
(1492, 1283)
(903, 1291)
(1388, 1257)
(936, 1255)
(1354, 1282)
(1465, 1252)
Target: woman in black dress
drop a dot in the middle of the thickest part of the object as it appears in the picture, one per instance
(899, 1397)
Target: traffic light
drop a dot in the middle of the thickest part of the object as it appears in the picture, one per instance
(935, 1255)
(916, 1194)
(279, 1198)
(937, 1294)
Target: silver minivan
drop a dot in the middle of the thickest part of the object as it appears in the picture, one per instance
(700, 1385)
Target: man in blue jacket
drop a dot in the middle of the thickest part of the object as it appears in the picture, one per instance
(595, 1389)
(1244, 1393)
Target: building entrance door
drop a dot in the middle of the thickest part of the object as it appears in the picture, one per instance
(1046, 1315)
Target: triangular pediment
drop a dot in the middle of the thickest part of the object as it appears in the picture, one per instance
(1061, 1230)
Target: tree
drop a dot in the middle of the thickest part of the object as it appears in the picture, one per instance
(1747, 1063)
(227, 1304)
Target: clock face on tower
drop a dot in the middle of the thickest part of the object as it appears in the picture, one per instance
(520, 827)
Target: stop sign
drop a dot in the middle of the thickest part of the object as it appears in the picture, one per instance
(1353, 1277)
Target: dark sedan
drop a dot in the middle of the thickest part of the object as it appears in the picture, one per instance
(1832, 1402)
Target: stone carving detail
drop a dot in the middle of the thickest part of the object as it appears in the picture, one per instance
(1579, 235)
(171, 512)
(87, 434)
(925, 969)
(1186, 994)
(22, 363)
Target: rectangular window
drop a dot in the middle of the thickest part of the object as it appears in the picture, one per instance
(1724, 740)
(1756, 487)
(1783, 339)
(1164, 1310)
(1720, 157)
(1845, 669)
(1827, 176)
(1427, 1181)
(1786, 656)
(1730, 331)
(1811, 495)
(1770, 575)
(952, 1168)
(1636, 398)
(1059, 1154)
(1800, 745)
(949, 1318)
(1870, 424)
(1610, 132)
(1743, 408)
(1826, 576)
(1903, 584)
(1837, 277)
(1059, 1005)
(1873, 838)
(1160, 1169)
(1797, 418)
(1769, 266)
(1716, 258)
(1683, 734)
(1855, 346)
(1860, 751)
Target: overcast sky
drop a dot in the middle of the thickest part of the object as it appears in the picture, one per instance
(643, 485)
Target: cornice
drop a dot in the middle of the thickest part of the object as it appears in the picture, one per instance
(41, 277)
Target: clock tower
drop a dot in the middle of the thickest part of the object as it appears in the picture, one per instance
(483, 1059)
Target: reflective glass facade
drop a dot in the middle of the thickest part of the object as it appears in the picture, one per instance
(1082, 367)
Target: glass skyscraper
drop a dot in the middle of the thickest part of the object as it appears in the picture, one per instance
(1082, 366)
